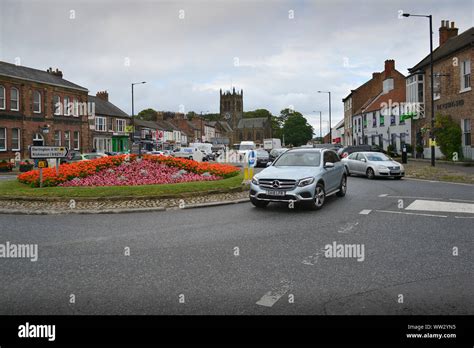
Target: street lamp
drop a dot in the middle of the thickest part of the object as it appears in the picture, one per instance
(432, 84)
(320, 127)
(132, 134)
(330, 130)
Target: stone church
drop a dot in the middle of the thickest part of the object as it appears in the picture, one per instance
(242, 129)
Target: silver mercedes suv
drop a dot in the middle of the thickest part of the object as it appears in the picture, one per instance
(305, 175)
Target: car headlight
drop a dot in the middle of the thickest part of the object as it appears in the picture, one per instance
(255, 180)
(305, 182)
(382, 167)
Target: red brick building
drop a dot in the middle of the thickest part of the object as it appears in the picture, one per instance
(40, 108)
(453, 94)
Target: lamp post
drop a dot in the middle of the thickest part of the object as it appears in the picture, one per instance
(320, 126)
(132, 134)
(430, 17)
(330, 130)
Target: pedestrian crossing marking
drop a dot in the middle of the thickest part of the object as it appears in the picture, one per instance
(447, 207)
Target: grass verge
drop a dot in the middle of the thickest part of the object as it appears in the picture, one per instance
(12, 189)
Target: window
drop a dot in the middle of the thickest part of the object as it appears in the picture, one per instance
(465, 75)
(15, 139)
(75, 112)
(67, 139)
(120, 125)
(373, 139)
(382, 120)
(374, 120)
(14, 99)
(76, 140)
(57, 138)
(111, 125)
(2, 97)
(67, 106)
(466, 130)
(36, 102)
(100, 124)
(365, 121)
(3, 139)
(437, 86)
(392, 120)
(57, 106)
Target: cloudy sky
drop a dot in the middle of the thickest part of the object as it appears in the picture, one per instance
(279, 52)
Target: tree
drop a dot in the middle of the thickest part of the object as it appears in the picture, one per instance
(296, 128)
(147, 115)
(448, 136)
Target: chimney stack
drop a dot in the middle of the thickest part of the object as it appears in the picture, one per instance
(446, 32)
(103, 95)
(389, 68)
(56, 72)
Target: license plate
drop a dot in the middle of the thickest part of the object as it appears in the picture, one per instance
(276, 193)
(394, 172)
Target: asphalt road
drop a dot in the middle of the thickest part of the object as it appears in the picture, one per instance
(280, 268)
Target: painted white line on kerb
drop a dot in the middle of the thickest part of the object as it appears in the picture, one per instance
(383, 195)
(464, 217)
(365, 212)
(448, 207)
(401, 212)
(271, 297)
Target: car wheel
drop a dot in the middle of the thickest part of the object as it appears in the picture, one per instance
(319, 197)
(342, 187)
(348, 173)
(370, 173)
(258, 204)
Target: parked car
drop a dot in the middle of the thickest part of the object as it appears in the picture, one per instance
(343, 152)
(76, 156)
(373, 164)
(305, 175)
(263, 158)
(276, 152)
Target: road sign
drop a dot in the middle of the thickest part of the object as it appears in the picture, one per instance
(42, 164)
(48, 151)
(252, 158)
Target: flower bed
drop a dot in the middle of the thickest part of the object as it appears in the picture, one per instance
(83, 169)
(143, 172)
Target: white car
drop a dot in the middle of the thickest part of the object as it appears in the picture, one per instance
(373, 164)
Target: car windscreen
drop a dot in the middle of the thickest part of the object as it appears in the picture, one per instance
(298, 158)
(377, 157)
(246, 147)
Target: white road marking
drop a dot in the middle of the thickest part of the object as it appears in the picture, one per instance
(448, 207)
(402, 212)
(348, 227)
(412, 197)
(365, 212)
(383, 195)
(464, 217)
(311, 260)
(271, 297)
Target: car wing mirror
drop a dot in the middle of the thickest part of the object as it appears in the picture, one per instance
(269, 164)
(363, 160)
(329, 165)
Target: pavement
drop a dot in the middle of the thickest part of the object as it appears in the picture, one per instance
(237, 259)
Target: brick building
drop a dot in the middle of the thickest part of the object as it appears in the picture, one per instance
(452, 86)
(372, 111)
(40, 108)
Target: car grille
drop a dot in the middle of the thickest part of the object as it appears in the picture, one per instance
(276, 184)
(394, 168)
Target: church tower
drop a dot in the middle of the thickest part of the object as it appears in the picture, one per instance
(231, 107)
